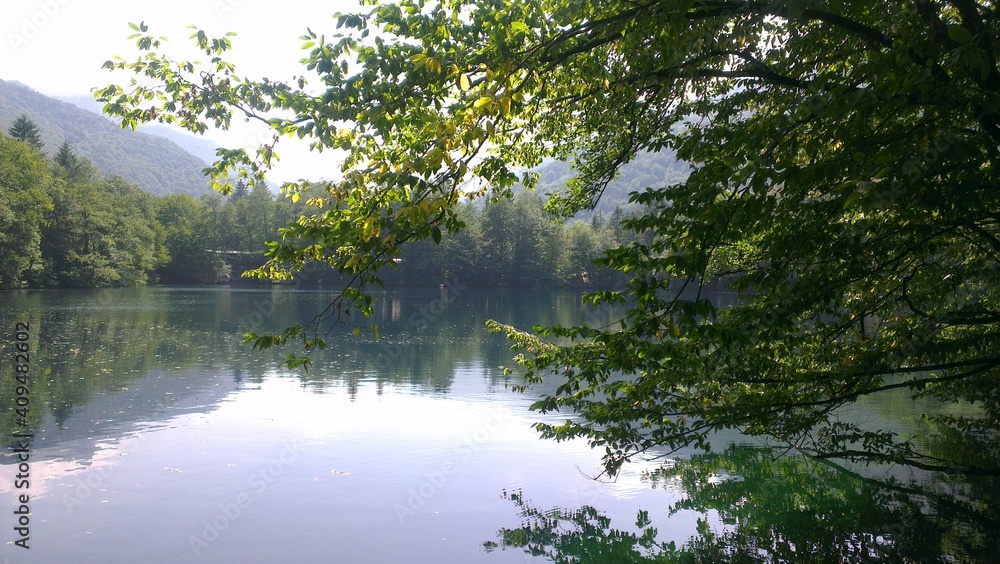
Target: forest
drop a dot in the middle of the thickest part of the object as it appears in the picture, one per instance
(64, 224)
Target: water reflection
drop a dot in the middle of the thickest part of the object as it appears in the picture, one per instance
(148, 411)
(759, 504)
(155, 343)
(151, 419)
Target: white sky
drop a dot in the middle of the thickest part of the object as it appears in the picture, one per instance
(57, 47)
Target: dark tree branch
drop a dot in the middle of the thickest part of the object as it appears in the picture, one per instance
(981, 365)
(869, 34)
(715, 9)
(909, 461)
(971, 18)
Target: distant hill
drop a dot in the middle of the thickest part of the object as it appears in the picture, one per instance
(200, 147)
(197, 146)
(155, 164)
(647, 170)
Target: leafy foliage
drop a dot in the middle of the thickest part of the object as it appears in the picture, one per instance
(98, 235)
(513, 243)
(24, 202)
(843, 181)
(582, 535)
(63, 224)
(187, 242)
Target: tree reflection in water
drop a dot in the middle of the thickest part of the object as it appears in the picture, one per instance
(784, 508)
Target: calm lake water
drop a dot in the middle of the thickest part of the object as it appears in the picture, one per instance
(159, 437)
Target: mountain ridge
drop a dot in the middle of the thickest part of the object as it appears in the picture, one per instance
(200, 147)
(157, 165)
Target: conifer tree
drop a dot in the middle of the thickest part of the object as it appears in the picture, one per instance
(25, 130)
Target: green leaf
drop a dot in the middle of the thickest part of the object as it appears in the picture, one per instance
(959, 34)
(850, 201)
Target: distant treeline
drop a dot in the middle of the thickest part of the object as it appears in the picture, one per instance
(516, 243)
(63, 224)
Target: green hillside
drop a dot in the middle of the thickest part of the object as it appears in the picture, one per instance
(199, 146)
(157, 165)
(648, 170)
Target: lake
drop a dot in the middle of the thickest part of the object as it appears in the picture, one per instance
(158, 437)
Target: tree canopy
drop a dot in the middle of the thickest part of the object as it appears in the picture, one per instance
(842, 180)
(64, 224)
(23, 204)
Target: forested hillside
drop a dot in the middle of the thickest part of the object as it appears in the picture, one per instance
(201, 147)
(65, 224)
(156, 165)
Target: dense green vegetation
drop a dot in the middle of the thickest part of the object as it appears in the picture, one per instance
(155, 164)
(64, 224)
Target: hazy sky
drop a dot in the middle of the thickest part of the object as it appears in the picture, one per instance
(57, 46)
